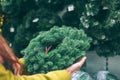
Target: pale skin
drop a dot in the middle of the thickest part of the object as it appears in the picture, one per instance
(73, 68)
(76, 66)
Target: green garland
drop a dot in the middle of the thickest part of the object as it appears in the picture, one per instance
(55, 49)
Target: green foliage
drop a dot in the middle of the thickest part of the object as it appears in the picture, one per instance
(101, 20)
(54, 5)
(66, 45)
(17, 7)
(70, 18)
(7, 6)
(34, 21)
(72, 13)
(109, 48)
(14, 12)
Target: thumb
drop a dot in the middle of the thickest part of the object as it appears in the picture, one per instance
(73, 68)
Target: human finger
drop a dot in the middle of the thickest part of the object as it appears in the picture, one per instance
(76, 66)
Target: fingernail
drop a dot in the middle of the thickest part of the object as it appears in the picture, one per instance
(84, 57)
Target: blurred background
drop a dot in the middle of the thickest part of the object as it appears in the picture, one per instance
(96, 63)
(22, 20)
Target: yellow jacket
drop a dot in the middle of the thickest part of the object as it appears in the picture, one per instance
(54, 75)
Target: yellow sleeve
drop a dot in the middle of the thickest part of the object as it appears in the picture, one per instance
(22, 61)
(54, 75)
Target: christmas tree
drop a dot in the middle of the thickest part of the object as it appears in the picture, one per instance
(101, 21)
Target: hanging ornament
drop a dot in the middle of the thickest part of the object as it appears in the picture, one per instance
(0, 30)
(1, 20)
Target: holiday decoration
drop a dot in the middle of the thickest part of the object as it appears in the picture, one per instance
(34, 21)
(22, 20)
(55, 49)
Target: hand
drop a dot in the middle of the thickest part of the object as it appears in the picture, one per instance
(73, 68)
(17, 69)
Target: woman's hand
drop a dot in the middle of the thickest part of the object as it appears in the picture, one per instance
(73, 68)
(17, 69)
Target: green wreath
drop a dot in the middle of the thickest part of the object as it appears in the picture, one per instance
(55, 49)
